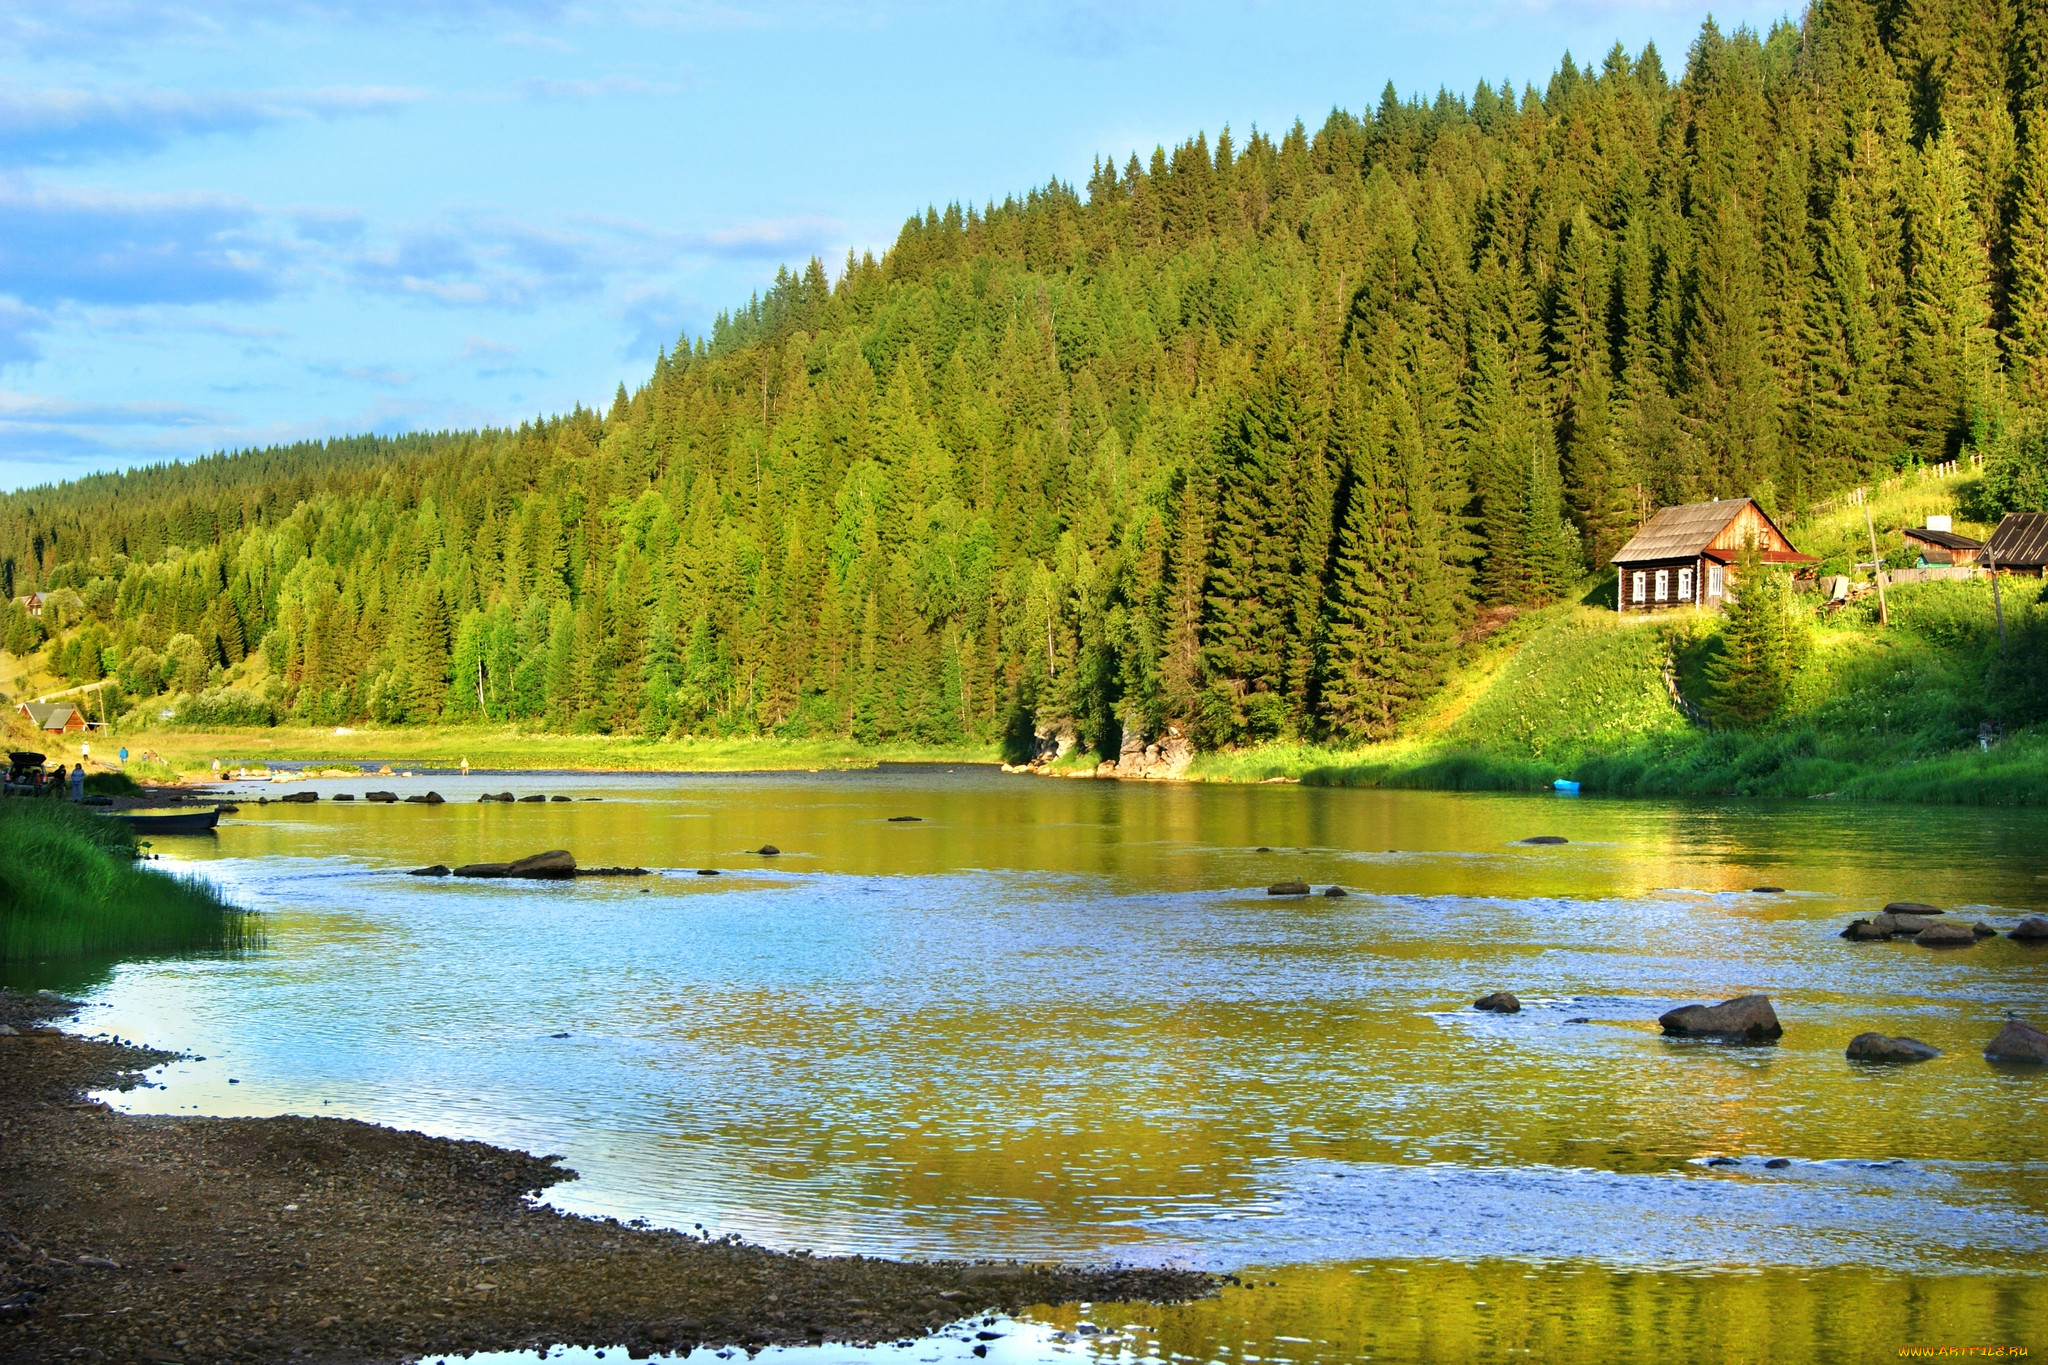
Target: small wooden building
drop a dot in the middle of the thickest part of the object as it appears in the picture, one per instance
(1939, 544)
(2020, 544)
(1686, 556)
(32, 603)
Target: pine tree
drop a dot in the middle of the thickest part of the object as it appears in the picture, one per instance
(1946, 348)
(1732, 393)
(1762, 646)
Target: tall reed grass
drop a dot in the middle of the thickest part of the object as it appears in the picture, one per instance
(70, 885)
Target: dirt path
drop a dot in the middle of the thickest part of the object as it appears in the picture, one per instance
(170, 1239)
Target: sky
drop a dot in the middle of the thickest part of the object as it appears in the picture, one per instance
(233, 223)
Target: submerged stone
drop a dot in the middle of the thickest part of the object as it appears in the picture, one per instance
(1876, 1047)
(1500, 1002)
(1546, 839)
(1287, 889)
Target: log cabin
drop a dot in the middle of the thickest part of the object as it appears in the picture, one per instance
(1938, 543)
(1686, 556)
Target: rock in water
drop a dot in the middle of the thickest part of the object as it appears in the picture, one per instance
(1336, 891)
(383, 798)
(2018, 1041)
(1500, 1002)
(2032, 929)
(1946, 936)
(1287, 889)
(1863, 931)
(906, 819)
(427, 799)
(1875, 1047)
(437, 870)
(1768, 890)
(300, 796)
(1746, 1018)
(1547, 839)
(768, 851)
(482, 869)
(555, 863)
(1911, 908)
(1983, 930)
(558, 798)
(344, 796)
(536, 797)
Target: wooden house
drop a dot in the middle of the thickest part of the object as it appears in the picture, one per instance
(60, 718)
(1686, 556)
(1938, 543)
(31, 603)
(2020, 544)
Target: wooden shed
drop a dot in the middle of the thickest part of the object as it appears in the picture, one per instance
(2020, 544)
(1938, 544)
(1686, 556)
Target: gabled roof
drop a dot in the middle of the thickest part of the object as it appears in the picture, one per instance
(1681, 532)
(48, 715)
(1947, 540)
(2021, 540)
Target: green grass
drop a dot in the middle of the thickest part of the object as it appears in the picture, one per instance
(70, 886)
(1571, 691)
(505, 747)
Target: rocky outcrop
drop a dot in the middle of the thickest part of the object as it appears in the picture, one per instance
(1050, 743)
(2032, 929)
(1745, 1019)
(1876, 1047)
(1890, 924)
(1500, 1002)
(1946, 936)
(554, 865)
(2018, 1041)
(1165, 759)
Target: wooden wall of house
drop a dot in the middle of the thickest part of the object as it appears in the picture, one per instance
(1627, 596)
(1750, 522)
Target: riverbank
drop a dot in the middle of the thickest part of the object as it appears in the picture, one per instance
(71, 884)
(196, 1239)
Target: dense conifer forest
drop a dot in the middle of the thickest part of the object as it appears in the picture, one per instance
(1243, 438)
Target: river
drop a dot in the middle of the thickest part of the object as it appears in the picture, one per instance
(1063, 1019)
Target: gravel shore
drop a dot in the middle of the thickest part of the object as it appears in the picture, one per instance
(198, 1239)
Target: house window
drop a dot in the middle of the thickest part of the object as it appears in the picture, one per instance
(1685, 585)
(1636, 595)
(1663, 585)
(1714, 588)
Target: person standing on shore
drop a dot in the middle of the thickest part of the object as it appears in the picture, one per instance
(78, 783)
(84, 753)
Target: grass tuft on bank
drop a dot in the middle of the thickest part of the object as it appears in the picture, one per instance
(70, 886)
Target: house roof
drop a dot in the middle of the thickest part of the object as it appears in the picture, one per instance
(48, 715)
(1947, 540)
(2021, 540)
(1681, 532)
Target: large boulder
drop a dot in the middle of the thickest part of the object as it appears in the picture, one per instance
(482, 869)
(2032, 929)
(1876, 1047)
(437, 870)
(1746, 1018)
(1500, 1002)
(1912, 908)
(1863, 931)
(300, 796)
(1164, 759)
(1287, 889)
(1946, 936)
(427, 799)
(2018, 1041)
(383, 798)
(536, 798)
(555, 863)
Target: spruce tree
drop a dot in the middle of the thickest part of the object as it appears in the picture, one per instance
(1762, 646)
(1946, 348)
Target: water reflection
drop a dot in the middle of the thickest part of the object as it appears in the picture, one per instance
(1062, 1019)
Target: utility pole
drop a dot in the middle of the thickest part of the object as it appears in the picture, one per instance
(1997, 606)
(1884, 613)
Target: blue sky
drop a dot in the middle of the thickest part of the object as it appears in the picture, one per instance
(235, 222)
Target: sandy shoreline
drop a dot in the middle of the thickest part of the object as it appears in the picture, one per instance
(187, 1239)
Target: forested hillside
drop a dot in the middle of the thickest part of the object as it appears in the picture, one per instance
(1241, 438)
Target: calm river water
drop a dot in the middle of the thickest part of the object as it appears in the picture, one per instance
(1062, 1019)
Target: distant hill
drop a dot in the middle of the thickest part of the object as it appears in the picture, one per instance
(1240, 438)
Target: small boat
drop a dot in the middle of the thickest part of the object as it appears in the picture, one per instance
(180, 822)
